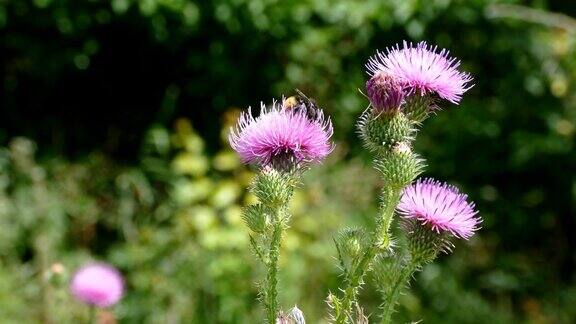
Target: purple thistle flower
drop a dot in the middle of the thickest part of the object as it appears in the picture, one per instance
(423, 69)
(281, 137)
(384, 92)
(98, 284)
(440, 206)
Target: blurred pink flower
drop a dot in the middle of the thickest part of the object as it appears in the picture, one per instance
(440, 206)
(98, 284)
(422, 69)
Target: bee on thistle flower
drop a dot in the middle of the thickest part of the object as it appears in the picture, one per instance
(405, 85)
(284, 136)
(282, 139)
(301, 103)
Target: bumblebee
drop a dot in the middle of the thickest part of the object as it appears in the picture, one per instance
(301, 103)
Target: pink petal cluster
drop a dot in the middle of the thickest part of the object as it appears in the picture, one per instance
(422, 69)
(279, 133)
(98, 284)
(440, 206)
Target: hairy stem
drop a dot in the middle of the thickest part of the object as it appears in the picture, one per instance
(271, 278)
(380, 241)
(269, 219)
(391, 299)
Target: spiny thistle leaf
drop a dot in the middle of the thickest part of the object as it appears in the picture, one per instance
(341, 262)
(335, 306)
(257, 250)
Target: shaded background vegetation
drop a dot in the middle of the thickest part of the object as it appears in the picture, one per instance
(113, 119)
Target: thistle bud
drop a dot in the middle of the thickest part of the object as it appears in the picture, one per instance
(383, 132)
(384, 92)
(256, 217)
(57, 274)
(350, 241)
(273, 188)
(283, 319)
(400, 166)
(297, 315)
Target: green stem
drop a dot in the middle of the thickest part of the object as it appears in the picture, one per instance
(380, 241)
(92, 319)
(46, 290)
(390, 198)
(272, 279)
(391, 299)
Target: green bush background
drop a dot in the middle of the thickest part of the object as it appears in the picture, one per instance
(113, 122)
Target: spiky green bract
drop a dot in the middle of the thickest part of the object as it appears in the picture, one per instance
(399, 166)
(268, 219)
(424, 244)
(382, 131)
(419, 107)
(274, 188)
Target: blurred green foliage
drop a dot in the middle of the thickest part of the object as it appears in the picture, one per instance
(97, 85)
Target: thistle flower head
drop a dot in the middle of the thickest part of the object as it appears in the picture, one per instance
(440, 206)
(384, 92)
(422, 69)
(98, 284)
(282, 138)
